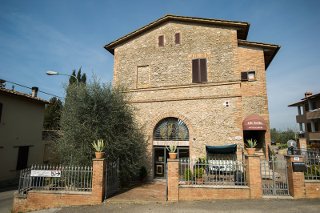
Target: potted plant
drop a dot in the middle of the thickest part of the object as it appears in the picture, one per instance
(187, 176)
(99, 146)
(250, 146)
(172, 151)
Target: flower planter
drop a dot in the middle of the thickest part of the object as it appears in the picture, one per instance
(172, 155)
(199, 181)
(99, 155)
(251, 151)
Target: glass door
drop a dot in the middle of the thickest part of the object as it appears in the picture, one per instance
(159, 162)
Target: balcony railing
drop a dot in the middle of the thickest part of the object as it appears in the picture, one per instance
(314, 114)
(300, 118)
(314, 135)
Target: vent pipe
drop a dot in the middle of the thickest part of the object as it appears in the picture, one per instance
(34, 92)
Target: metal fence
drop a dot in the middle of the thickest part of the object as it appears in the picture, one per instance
(274, 176)
(312, 161)
(55, 178)
(218, 172)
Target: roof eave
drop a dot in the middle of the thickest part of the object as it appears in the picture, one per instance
(23, 96)
(242, 28)
(265, 46)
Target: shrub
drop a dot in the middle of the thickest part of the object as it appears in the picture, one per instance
(98, 111)
(143, 173)
(187, 175)
(198, 172)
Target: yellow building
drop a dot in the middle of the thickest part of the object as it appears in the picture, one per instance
(21, 123)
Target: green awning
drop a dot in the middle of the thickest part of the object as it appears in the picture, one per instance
(225, 149)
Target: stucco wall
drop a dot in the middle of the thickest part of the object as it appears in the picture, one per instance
(21, 125)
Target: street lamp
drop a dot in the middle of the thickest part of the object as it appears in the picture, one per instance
(51, 72)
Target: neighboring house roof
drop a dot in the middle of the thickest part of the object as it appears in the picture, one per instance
(270, 50)
(22, 95)
(242, 28)
(303, 100)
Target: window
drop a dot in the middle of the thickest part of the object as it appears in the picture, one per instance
(177, 38)
(171, 129)
(199, 70)
(248, 76)
(23, 154)
(0, 111)
(161, 41)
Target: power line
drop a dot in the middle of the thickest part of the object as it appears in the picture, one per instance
(21, 85)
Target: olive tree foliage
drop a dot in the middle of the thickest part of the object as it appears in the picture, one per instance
(52, 114)
(95, 111)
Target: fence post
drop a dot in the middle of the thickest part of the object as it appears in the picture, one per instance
(254, 176)
(302, 143)
(173, 179)
(295, 179)
(98, 180)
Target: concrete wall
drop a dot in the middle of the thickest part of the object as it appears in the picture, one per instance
(21, 125)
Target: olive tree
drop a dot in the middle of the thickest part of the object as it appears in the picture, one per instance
(95, 111)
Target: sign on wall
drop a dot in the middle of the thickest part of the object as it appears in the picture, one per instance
(45, 173)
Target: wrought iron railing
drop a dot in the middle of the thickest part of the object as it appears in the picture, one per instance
(217, 172)
(312, 161)
(55, 178)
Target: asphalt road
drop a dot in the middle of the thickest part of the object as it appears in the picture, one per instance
(217, 206)
(6, 199)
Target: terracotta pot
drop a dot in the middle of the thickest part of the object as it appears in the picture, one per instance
(199, 181)
(172, 155)
(99, 155)
(251, 151)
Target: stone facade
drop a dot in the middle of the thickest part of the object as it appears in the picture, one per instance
(159, 81)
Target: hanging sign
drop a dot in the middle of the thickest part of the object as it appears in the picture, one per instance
(45, 173)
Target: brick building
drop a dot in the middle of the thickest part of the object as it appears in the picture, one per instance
(308, 118)
(195, 82)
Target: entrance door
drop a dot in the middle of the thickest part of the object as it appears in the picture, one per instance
(161, 155)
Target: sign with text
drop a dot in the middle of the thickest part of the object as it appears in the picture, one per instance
(45, 173)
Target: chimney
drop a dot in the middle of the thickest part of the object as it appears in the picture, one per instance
(307, 94)
(34, 92)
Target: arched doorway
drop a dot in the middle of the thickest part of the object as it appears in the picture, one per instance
(254, 127)
(169, 131)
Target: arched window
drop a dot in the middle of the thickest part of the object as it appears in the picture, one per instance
(171, 129)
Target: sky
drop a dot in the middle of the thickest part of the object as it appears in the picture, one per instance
(62, 35)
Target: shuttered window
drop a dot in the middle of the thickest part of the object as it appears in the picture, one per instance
(248, 76)
(161, 41)
(244, 76)
(199, 70)
(177, 38)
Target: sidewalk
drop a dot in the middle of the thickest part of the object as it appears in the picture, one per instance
(245, 206)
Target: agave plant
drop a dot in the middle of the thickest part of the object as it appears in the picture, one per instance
(98, 145)
(251, 143)
(172, 148)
